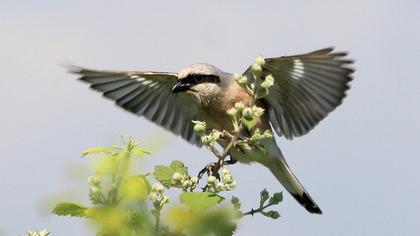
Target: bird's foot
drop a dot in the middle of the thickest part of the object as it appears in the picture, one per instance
(212, 169)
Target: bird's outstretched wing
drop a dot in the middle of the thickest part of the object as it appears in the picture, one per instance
(306, 88)
(147, 94)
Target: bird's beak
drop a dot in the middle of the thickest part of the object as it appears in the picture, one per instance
(180, 87)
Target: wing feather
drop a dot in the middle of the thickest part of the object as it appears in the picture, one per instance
(147, 94)
(307, 88)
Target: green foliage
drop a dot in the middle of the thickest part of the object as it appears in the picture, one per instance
(164, 174)
(200, 201)
(70, 209)
(265, 203)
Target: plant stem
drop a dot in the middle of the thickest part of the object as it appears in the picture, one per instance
(260, 209)
(157, 216)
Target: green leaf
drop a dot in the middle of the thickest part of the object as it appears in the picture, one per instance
(164, 173)
(69, 209)
(276, 198)
(96, 151)
(271, 214)
(200, 201)
(179, 167)
(236, 203)
(263, 197)
(249, 123)
(136, 187)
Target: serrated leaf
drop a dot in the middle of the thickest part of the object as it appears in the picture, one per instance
(96, 150)
(69, 209)
(263, 197)
(271, 214)
(200, 201)
(236, 203)
(164, 173)
(178, 166)
(276, 198)
(136, 187)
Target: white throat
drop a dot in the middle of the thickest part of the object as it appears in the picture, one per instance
(206, 94)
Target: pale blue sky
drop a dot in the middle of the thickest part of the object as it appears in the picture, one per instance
(361, 164)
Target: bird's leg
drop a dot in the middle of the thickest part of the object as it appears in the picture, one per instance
(212, 169)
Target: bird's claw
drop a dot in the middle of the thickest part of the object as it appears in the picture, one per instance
(212, 169)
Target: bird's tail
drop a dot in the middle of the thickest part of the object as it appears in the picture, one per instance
(278, 166)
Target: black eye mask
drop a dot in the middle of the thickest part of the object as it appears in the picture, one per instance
(198, 79)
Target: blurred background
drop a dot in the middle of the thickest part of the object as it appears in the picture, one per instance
(361, 164)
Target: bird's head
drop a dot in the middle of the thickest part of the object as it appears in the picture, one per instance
(203, 81)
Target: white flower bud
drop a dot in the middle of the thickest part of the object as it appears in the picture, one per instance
(243, 80)
(158, 188)
(194, 180)
(152, 196)
(215, 135)
(237, 76)
(206, 139)
(176, 177)
(260, 61)
(227, 178)
(185, 183)
(252, 86)
(268, 82)
(199, 128)
(258, 111)
(232, 112)
(239, 106)
(231, 186)
(165, 200)
(256, 69)
(225, 171)
(94, 194)
(267, 134)
(248, 113)
(211, 180)
(219, 187)
(95, 190)
(94, 180)
(240, 79)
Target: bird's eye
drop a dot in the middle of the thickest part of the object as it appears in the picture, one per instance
(198, 79)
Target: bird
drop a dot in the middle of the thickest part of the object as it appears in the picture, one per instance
(307, 87)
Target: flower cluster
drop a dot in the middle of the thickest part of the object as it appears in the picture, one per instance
(186, 182)
(211, 138)
(157, 197)
(240, 79)
(226, 183)
(207, 139)
(257, 135)
(95, 193)
(40, 233)
(268, 82)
